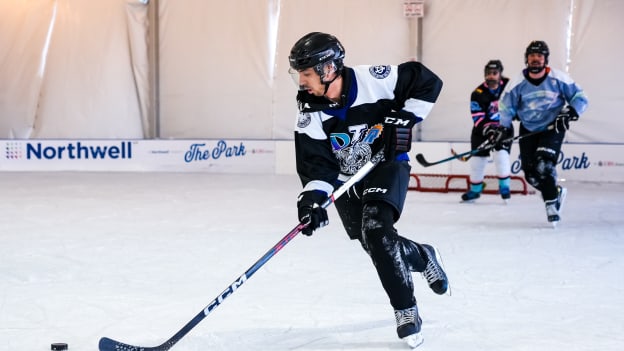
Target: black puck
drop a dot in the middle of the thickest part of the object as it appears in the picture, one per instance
(58, 346)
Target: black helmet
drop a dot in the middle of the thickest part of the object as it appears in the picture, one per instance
(539, 47)
(314, 50)
(493, 64)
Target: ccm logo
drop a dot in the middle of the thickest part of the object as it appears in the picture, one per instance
(375, 190)
(397, 121)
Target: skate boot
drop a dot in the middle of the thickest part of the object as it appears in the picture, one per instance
(408, 326)
(553, 207)
(434, 273)
(503, 188)
(505, 193)
(551, 211)
(473, 194)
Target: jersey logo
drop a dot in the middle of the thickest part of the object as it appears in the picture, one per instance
(353, 149)
(379, 72)
(304, 120)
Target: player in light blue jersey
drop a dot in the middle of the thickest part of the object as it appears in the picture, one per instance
(545, 100)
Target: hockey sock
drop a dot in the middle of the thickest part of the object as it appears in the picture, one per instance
(503, 183)
(476, 188)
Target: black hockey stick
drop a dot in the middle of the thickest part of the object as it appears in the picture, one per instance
(421, 158)
(107, 344)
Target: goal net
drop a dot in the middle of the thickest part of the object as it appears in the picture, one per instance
(444, 183)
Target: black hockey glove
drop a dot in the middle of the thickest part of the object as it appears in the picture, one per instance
(567, 114)
(398, 132)
(497, 135)
(490, 130)
(310, 210)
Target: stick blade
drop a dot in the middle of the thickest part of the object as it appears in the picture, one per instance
(421, 159)
(107, 344)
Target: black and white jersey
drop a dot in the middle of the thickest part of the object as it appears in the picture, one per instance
(334, 140)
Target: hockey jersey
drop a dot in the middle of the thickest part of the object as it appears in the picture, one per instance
(537, 105)
(334, 140)
(484, 103)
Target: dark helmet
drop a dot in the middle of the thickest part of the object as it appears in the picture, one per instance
(539, 47)
(493, 64)
(315, 50)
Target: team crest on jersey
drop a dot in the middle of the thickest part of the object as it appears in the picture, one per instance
(353, 150)
(304, 120)
(380, 72)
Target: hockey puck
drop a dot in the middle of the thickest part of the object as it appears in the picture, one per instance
(58, 346)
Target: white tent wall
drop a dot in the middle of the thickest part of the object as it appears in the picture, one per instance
(596, 63)
(89, 88)
(23, 30)
(82, 75)
(461, 36)
(223, 65)
(372, 32)
(216, 71)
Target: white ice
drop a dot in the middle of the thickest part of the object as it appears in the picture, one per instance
(134, 256)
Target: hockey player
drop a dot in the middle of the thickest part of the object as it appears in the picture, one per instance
(342, 111)
(546, 100)
(485, 118)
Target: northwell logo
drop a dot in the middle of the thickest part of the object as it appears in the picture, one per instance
(70, 151)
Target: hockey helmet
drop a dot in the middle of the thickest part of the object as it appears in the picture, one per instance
(316, 50)
(493, 65)
(537, 47)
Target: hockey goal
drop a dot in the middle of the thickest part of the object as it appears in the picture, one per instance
(444, 183)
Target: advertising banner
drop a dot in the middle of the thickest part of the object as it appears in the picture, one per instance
(582, 162)
(218, 156)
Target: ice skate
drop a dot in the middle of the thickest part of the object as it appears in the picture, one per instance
(434, 273)
(408, 326)
(473, 193)
(551, 212)
(470, 196)
(505, 194)
(553, 207)
(504, 188)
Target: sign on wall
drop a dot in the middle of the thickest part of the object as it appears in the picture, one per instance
(582, 162)
(219, 156)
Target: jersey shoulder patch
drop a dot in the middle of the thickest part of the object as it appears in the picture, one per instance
(304, 120)
(380, 72)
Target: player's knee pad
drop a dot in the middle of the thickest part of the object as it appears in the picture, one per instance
(545, 168)
(532, 178)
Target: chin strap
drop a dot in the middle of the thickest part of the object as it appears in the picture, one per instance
(327, 84)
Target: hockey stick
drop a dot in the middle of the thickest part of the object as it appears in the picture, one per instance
(421, 158)
(107, 344)
(466, 158)
(461, 158)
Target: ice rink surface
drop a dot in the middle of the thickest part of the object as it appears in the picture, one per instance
(135, 256)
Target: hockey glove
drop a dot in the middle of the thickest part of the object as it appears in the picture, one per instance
(398, 132)
(567, 114)
(310, 210)
(498, 136)
(490, 130)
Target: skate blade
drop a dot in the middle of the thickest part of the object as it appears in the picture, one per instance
(554, 224)
(414, 340)
(467, 201)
